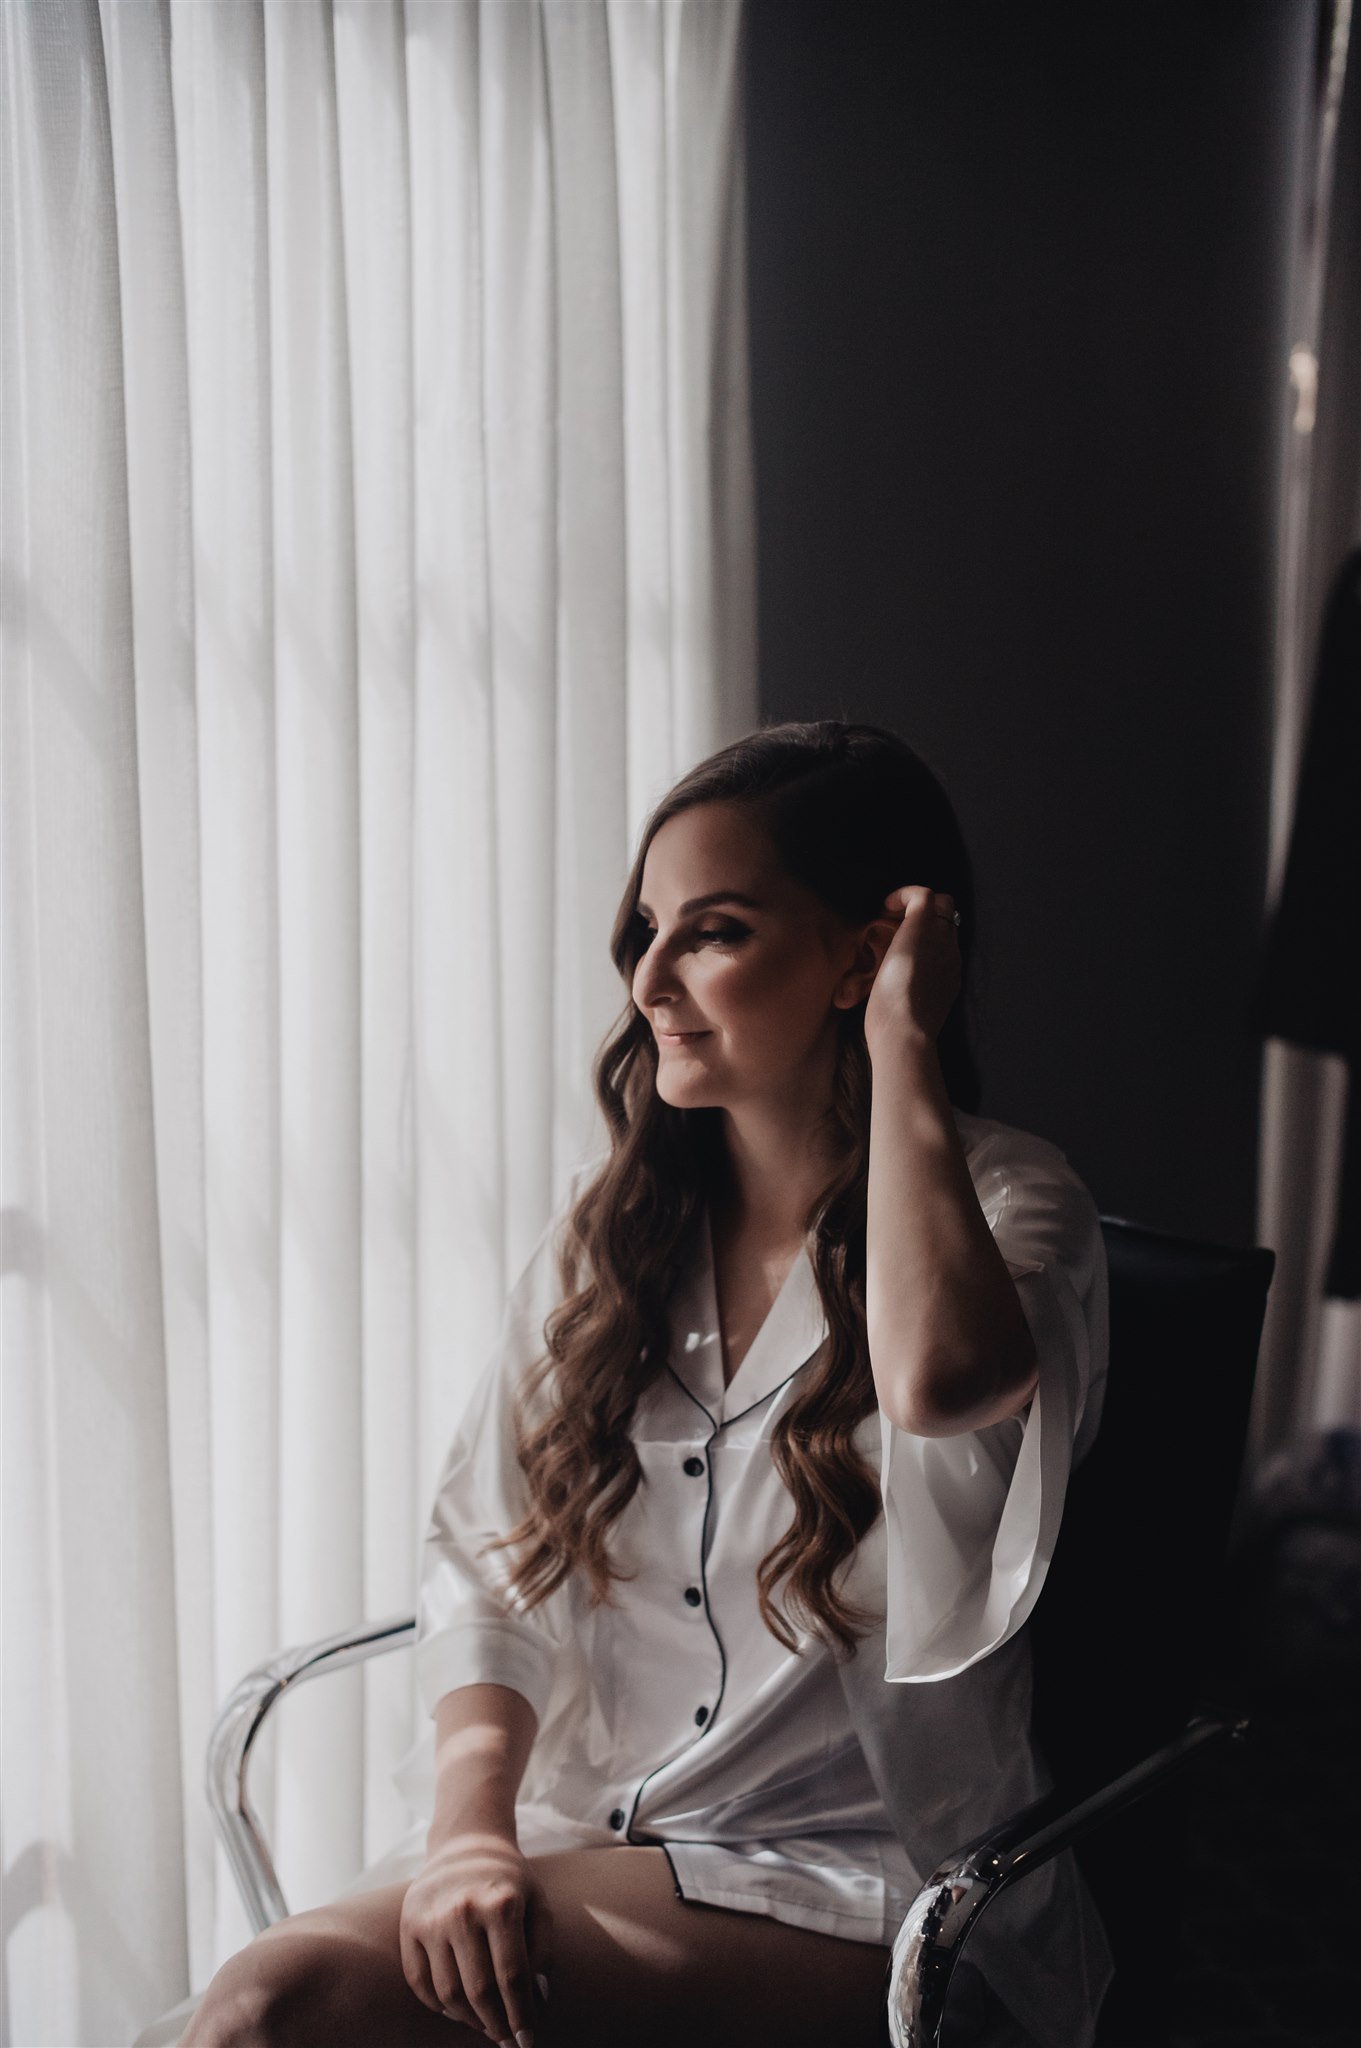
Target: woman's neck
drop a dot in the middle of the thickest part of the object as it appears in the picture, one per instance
(763, 1194)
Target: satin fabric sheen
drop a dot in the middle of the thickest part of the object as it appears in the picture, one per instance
(785, 1782)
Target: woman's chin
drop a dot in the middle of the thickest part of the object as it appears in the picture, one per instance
(682, 1091)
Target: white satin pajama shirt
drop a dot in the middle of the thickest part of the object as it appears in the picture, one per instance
(777, 1781)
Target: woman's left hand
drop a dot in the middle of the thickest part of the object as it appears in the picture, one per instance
(920, 970)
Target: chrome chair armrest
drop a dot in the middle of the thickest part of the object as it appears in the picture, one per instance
(236, 1728)
(947, 1908)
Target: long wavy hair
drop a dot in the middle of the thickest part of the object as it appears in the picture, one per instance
(853, 812)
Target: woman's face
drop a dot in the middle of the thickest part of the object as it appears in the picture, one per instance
(757, 981)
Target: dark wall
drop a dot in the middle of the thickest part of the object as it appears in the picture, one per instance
(1018, 281)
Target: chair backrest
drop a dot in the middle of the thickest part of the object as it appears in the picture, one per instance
(1128, 1632)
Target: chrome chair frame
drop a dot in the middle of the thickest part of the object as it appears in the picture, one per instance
(233, 1736)
(938, 1923)
(947, 1908)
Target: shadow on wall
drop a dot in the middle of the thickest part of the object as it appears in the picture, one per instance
(1019, 333)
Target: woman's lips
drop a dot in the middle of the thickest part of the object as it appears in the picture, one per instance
(679, 1037)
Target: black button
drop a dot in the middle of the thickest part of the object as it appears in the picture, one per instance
(695, 1467)
(693, 1596)
(701, 1715)
(617, 1817)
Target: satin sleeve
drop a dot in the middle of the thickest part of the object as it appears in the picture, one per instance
(470, 1626)
(972, 1520)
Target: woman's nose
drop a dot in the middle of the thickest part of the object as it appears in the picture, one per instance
(654, 978)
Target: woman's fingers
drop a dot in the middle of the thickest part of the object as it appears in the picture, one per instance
(443, 1971)
(539, 1936)
(441, 1974)
(486, 1980)
(510, 1960)
(476, 1985)
(937, 900)
(430, 1970)
(461, 2011)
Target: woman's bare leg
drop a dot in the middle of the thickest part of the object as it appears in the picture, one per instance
(631, 1963)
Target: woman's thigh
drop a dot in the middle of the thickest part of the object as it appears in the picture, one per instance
(631, 1960)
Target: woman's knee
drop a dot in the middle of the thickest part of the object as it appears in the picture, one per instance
(268, 1995)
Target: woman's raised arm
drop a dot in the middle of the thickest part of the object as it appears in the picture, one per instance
(949, 1345)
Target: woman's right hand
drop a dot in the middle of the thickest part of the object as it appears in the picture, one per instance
(476, 1930)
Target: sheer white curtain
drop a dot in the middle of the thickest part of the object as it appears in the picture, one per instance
(1309, 1372)
(377, 546)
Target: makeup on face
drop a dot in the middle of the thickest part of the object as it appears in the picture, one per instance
(718, 933)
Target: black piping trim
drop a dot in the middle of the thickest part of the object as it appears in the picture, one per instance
(629, 1835)
(779, 1388)
(728, 1420)
(716, 1428)
(774, 1390)
(713, 1419)
(674, 1879)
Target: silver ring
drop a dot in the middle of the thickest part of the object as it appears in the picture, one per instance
(956, 917)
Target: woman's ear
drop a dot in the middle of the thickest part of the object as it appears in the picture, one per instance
(858, 979)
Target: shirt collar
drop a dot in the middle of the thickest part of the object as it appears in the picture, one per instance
(792, 1331)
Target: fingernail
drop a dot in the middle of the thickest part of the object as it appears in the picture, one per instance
(524, 2039)
(542, 1983)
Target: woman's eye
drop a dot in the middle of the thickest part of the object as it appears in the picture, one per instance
(718, 935)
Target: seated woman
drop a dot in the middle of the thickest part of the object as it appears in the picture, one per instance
(723, 1603)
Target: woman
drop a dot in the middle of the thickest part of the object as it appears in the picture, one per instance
(731, 1557)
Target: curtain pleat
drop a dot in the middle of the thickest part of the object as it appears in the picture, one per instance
(377, 549)
(376, 212)
(594, 697)
(519, 477)
(458, 1079)
(316, 797)
(156, 408)
(218, 85)
(1309, 1365)
(91, 1816)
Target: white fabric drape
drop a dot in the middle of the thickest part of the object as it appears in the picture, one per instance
(377, 548)
(1309, 1369)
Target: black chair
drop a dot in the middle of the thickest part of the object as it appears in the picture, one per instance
(1129, 1609)
(1134, 1662)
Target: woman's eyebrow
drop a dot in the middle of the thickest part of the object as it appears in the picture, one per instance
(714, 896)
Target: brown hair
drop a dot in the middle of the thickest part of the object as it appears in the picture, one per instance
(852, 813)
